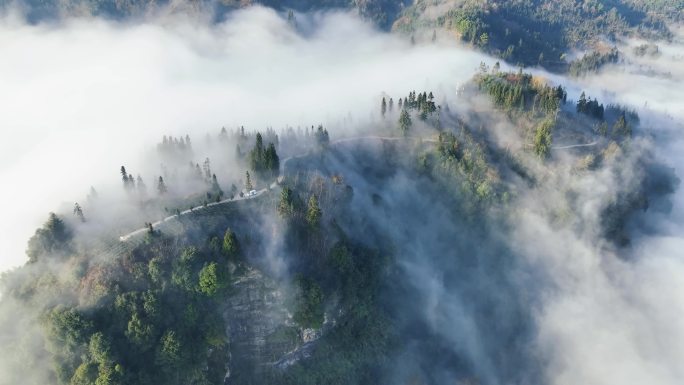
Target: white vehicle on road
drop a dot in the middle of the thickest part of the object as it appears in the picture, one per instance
(252, 193)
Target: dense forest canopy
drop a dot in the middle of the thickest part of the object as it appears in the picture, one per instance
(543, 32)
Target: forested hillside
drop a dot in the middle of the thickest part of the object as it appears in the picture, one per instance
(381, 12)
(305, 268)
(541, 32)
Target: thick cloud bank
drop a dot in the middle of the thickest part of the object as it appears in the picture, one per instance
(618, 320)
(86, 96)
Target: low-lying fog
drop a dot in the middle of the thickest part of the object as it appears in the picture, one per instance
(84, 97)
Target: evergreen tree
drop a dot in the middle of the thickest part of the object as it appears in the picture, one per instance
(257, 157)
(543, 138)
(78, 212)
(322, 137)
(271, 161)
(582, 103)
(405, 122)
(161, 186)
(231, 247)
(259, 146)
(286, 206)
(212, 279)
(621, 127)
(248, 182)
(291, 19)
(215, 188)
(198, 172)
(52, 238)
(383, 107)
(391, 105)
(124, 177)
(313, 212)
(207, 169)
(142, 188)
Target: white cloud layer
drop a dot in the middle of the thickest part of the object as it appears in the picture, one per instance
(84, 97)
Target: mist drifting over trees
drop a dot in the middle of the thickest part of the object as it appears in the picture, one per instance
(298, 195)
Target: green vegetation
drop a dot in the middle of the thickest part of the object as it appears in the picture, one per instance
(543, 138)
(405, 122)
(593, 61)
(193, 300)
(309, 312)
(322, 137)
(542, 32)
(264, 161)
(212, 279)
(51, 239)
(313, 212)
(231, 246)
(521, 92)
(590, 107)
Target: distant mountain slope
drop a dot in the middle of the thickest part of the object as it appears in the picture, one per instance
(532, 32)
(526, 32)
(381, 12)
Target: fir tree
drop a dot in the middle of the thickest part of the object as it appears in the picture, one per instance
(124, 177)
(248, 182)
(231, 247)
(543, 138)
(78, 212)
(405, 122)
(582, 103)
(215, 188)
(142, 188)
(621, 128)
(161, 186)
(271, 160)
(207, 169)
(322, 137)
(313, 212)
(286, 206)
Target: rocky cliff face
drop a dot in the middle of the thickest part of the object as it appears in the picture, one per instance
(260, 328)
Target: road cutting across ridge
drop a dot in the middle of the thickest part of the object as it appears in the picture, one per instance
(257, 193)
